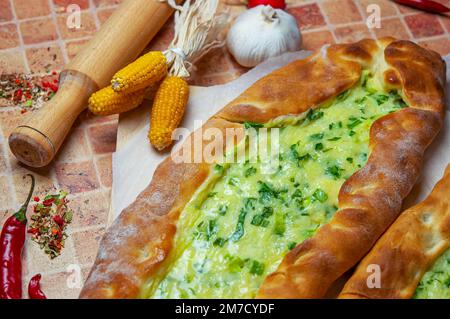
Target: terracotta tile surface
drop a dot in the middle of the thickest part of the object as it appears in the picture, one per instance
(35, 38)
(104, 168)
(424, 25)
(24, 9)
(37, 31)
(86, 244)
(39, 262)
(87, 27)
(446, 22)
(392, 26)
(75, 147)
(104, 14)
(9, 119)
(54, 283)
(61, 5)
(352, 33)
(12, 61)
(103, 138)
(45, 59)
(9, 37)
(316, 39)
(106, 3)
(6, 11)
(77, 177)
(387, 8)
(216, 61)
(308, 16)
(440, 45)
(90, 209)
(5, 194)
(73, 47)
(44, 185)
(3, 159)
(342, 11)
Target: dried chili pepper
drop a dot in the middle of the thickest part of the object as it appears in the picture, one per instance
(11, 244)
(425, 5)
(34, 288)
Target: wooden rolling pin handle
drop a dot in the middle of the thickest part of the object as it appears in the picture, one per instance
(36, 142)
(118, 42)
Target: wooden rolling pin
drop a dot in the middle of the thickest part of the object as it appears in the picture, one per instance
(118, 42)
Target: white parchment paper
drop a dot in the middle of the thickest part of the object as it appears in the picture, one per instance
(135, 161)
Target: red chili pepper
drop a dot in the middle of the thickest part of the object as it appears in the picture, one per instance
(34, 288)
(11, 244)
(276, 4)
(426, 5)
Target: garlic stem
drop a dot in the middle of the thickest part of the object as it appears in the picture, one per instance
(269, 14)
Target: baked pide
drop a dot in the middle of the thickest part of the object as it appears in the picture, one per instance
(353, 121)
(413, 255)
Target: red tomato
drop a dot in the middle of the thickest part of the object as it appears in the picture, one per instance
(276, 4)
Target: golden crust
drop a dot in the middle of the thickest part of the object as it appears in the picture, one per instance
(407, 249)
(141, 237)
(369, 201)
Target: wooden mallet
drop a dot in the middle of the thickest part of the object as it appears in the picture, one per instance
(118, 42)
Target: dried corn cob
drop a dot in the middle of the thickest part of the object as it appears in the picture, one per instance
(144, 72)
(168, 109)
(106, 101)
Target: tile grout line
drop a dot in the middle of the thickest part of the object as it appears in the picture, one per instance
(405, 25)
(92, 154)
(364, 17)
(5, 147)
(9, 173)
(31, 19)
(85, 229)
(44, 44)
(58, 32)
(327, 21)
(93, 10)
(19, 32)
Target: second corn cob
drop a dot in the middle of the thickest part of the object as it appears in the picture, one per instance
(144, 72)
(106, 101)
(168, 109)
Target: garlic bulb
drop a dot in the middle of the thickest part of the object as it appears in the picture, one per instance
(262, 32)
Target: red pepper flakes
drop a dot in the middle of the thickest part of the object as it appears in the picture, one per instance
(48, 202)
(59, 220)
(49, 222)
(33, 231)
(27, 91)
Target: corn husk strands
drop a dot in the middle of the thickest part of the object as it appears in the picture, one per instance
(198, 30)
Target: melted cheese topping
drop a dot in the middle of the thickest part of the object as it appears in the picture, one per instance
(236, 231)
(435, 284)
